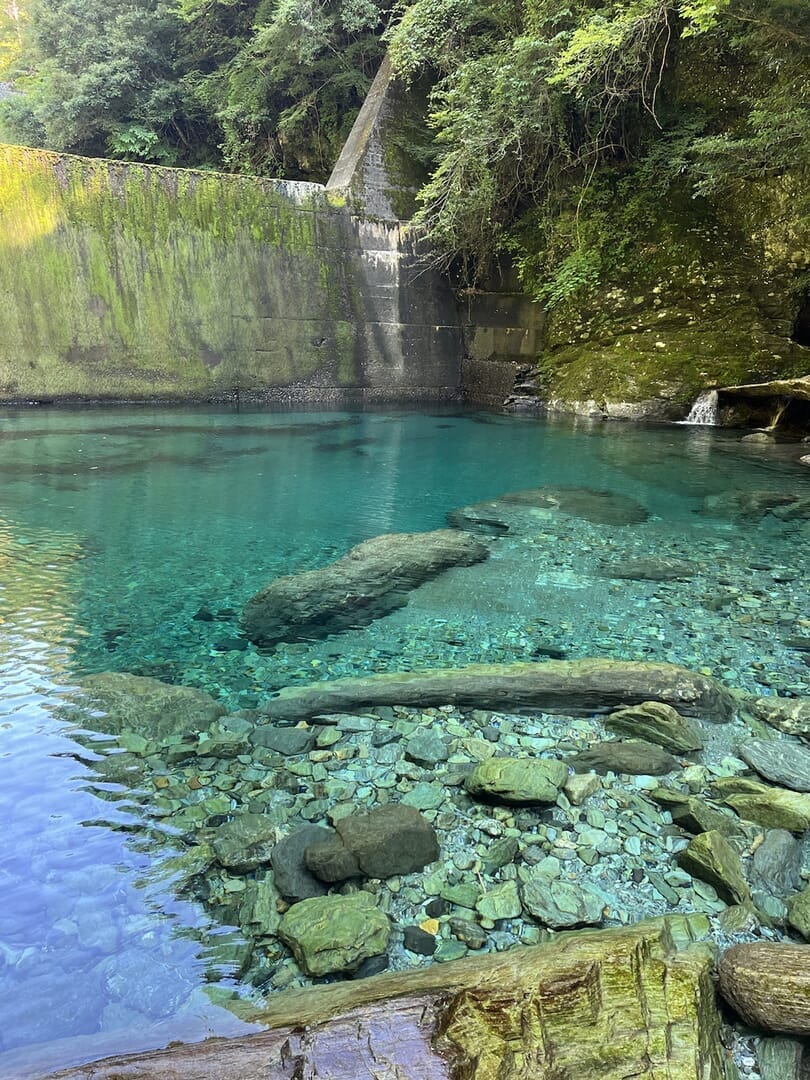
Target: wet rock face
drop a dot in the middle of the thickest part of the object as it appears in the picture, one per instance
(635, 757)
(657, 723)
(372, 580)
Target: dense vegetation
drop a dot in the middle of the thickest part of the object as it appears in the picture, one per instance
(558, 126)
(251, 85)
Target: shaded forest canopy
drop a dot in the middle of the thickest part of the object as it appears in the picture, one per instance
(556, 131)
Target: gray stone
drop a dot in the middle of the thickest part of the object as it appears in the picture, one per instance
(655, 722)
(426, 749)
(500, 853)
(370, 581)
(600, 507)
(246, 842)
(294, 879)
(518, 780)
(782, 761)
(637, 758)
(329, 860)
(284, 740)
(391, 840)
(424, 796)
(334, 933)
(473, 935)
(777, 864)
(560, 904)
(580, 786)
(500, 902)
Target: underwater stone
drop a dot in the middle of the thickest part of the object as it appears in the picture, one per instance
(334, 933)
(651, 569)
(293, 878)
(657, 723)
(116, 701)
(775, 808)
(284, 740)
(504, 513)
(782, 761)
(245, 843)
(636, 758)
(710, 858)
(791, 715)
(518, 780)
(560, 904)
(392, 839)
(370, 581)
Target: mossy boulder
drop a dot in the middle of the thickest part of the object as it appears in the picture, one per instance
(658, 723)
(334, 933)
(711, 858)
(517, 780)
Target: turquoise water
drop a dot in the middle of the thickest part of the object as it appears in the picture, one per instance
(118, 526)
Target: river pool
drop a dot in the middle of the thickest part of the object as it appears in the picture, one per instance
(130, 540)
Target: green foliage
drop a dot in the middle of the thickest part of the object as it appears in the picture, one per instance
(538, 109)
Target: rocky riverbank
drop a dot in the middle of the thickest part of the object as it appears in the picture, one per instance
(401, 836)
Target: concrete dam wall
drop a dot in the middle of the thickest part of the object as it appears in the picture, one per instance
(129, 282)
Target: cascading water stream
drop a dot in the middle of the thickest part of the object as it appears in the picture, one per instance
(704, 409)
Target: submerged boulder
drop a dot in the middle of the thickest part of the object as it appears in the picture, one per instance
(116, 701)
(768, 984)
(334, 933)
(518, 780)
(372, 580)
(508, 512)
(393, 839)
(657, 723)
(784, 761)
(570, 687)
(635, 757)
(791, 715)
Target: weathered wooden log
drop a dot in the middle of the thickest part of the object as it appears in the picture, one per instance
(599, 1004)
(768, 984)
(570, 687)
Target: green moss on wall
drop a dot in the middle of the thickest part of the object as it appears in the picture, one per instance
(124, 280)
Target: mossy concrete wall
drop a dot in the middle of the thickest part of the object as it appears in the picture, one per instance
(124, 281)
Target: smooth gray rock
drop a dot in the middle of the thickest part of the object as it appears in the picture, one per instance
(392, 839)
(636, 758)
(561, 904)
(426, 749)
(115, 701)
(651, 569)
(293, 878)
(372, 580)
(777, 864)
(571, 687)
(783, 761)
(600, 507)
(780, 1059)
(284, 740)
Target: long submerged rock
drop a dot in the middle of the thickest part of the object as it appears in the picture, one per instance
(371, 580)
(569, 687)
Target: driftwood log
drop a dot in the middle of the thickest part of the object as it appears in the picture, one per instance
(598, 1004)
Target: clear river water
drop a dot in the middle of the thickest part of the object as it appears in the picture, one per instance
(118, 526)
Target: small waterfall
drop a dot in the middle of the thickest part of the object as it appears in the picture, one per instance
(704, 409)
